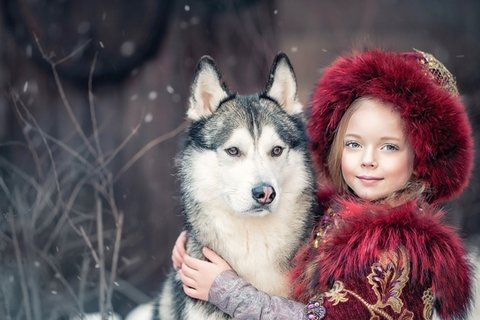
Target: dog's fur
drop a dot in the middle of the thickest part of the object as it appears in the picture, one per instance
(246, 182)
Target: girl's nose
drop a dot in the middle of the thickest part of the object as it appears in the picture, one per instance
(368, 159)
(369, 164)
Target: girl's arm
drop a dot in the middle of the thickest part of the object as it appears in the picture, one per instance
(214, 281)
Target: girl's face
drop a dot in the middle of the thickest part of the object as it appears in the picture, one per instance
(377, 159)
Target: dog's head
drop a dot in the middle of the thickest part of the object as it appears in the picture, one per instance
(245, 154)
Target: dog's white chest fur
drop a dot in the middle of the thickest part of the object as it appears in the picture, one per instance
(259, 249)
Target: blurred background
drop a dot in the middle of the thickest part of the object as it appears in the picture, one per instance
(92, 102)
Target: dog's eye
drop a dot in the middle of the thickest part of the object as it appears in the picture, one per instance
(233, 151)
(277, 151)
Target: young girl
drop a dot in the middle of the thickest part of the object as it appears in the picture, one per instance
(390, 140)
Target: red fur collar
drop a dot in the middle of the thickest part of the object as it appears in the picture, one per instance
(436, 252)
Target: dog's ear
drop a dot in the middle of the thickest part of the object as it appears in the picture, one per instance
(282, 85)
(207, 90)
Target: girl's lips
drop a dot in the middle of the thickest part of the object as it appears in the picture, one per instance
(368, 178)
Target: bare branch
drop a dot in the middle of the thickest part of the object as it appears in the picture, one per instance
(66, 215)
(101, 259)
(58, 275)
(91, 101)
(90, 246)
(122, 145)
(45, 135)
(42, 135)
(23, 279)
(68, 57)
(149, 146)
(63, 96)
(116, 250)
(72, 54)
(83, 281)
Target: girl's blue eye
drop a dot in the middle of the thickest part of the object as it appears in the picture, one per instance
(391, 147)
(352, 144)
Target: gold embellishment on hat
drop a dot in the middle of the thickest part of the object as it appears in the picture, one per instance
(439, 72)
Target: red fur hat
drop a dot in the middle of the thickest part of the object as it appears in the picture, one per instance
(425, 95)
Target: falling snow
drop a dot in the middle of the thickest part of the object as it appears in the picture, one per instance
(170, 89)
(28, 50)
(148, 118)
(152, 95)
(128, 48)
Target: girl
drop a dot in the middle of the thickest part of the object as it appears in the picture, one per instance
(390, 140)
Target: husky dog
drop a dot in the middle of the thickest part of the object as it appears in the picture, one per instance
(247, 184)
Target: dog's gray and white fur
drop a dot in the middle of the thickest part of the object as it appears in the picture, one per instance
(247, 184)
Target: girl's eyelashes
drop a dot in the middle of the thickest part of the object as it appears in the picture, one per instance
(352, 144)
(391, 147)
(388, 146)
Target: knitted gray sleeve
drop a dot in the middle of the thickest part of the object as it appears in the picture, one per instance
(241, 300)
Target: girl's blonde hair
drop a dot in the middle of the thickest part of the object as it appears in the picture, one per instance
(413, 189)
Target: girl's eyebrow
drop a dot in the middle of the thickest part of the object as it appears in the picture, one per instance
(384, 138)
(353, 135)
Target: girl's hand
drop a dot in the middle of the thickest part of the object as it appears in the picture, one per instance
(197, 275)
(178, 251)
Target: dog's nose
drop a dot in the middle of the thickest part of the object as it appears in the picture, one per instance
(263, 193)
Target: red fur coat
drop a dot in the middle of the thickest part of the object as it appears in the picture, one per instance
(374, 262)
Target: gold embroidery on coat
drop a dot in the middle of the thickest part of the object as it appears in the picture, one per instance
(428, 298)
(337, 294)
(388, 278)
